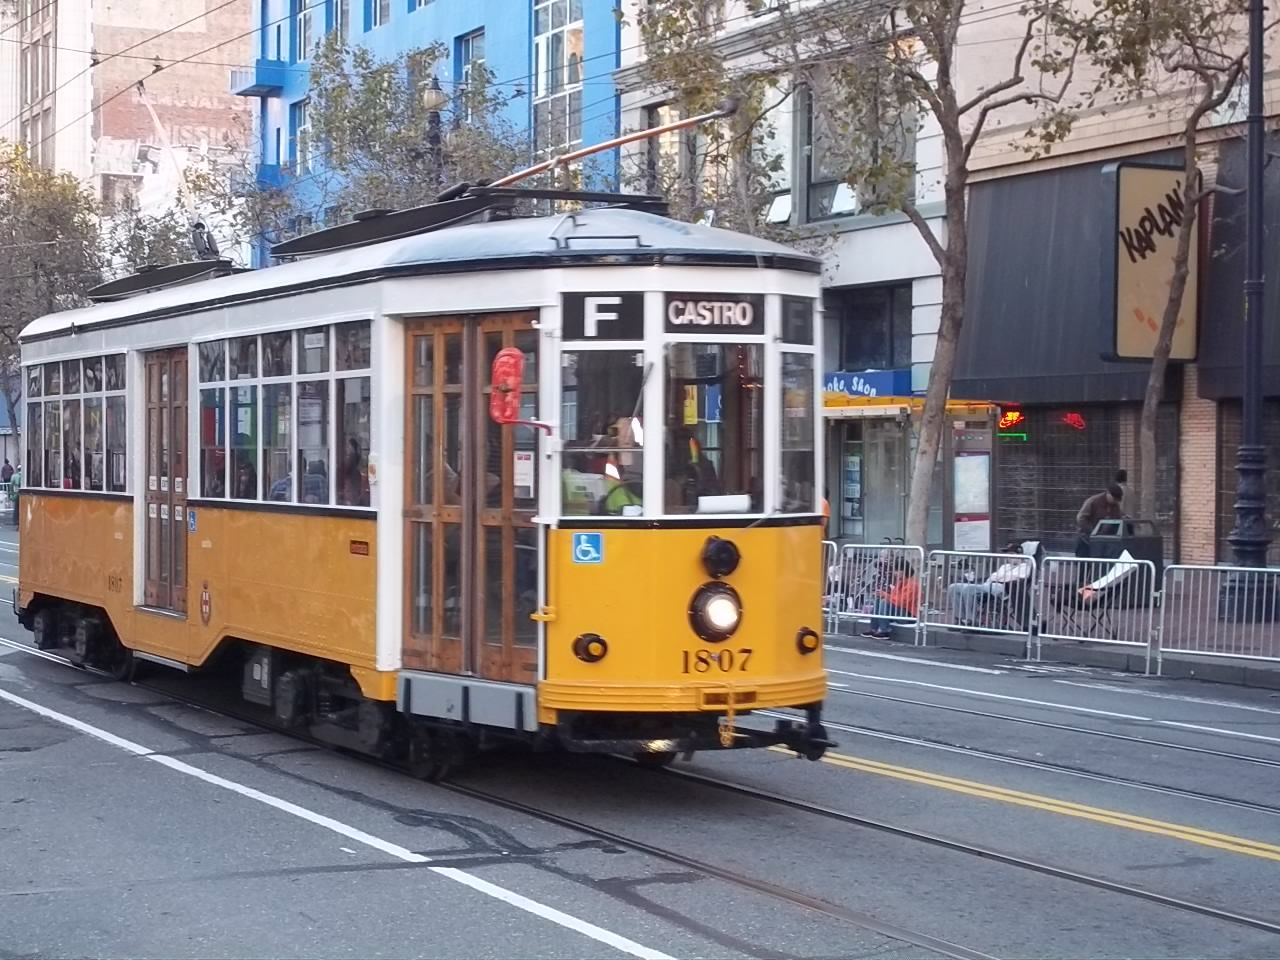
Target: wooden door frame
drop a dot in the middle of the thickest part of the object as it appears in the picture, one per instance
(470, 653)
(168, 496)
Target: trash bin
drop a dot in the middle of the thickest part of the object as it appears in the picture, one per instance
(1143, 541)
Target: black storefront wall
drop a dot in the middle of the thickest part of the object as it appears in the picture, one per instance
(1039, 320)
(1222, 307)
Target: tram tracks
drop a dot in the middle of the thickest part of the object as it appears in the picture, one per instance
(1064, 769)
(736, 878)
(1065, 728)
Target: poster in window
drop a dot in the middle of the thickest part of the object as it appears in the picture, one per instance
(972, 484)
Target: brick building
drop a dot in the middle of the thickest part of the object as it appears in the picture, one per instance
(77, 106)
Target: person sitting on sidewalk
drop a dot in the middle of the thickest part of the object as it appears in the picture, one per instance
(899, 601)
(963, 597)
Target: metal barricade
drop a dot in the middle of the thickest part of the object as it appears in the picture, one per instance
(1099, 601)
(1219, 611)
(830, 553)
(866, 575)
(980, 592)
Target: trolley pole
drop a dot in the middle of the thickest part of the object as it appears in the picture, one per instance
(1249, 539)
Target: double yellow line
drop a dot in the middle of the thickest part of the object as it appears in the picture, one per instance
(1066, 808)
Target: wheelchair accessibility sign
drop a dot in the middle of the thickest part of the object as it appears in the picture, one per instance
(588, 548)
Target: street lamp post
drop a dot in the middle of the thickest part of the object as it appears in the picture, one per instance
(434, 100)
(1250, 596)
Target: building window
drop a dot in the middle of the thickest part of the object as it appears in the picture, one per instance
(341, 17)
(304, 37)
(273, 412)
(470, 65)
(418, 4)
(874, 326)
(379, 12)
(557, 67)
(830, 162)
(76, 425)
(300, 153)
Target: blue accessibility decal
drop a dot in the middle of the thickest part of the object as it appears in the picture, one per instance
(191, 520)
(588, 548)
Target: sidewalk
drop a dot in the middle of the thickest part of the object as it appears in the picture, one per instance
(1129, 659)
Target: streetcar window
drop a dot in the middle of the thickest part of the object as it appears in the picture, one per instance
(313, 441)
(93, 375)
(213, 430)
(353, 345)
(53, 442)
(72, 456)
(52, 379)
(244, 358)
(277, 442)
(797, 320)
(94, 463)
(602, 466)
(35, 445)
(115, 372)
(277, 354)
(798, 493)
(115, 442)
(353, 409)
(35, 381)
(715, 427)
(71, 376)
(213, 361)
(313, 350)
(244, 447)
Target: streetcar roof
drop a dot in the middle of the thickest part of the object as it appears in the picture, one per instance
(601, 235)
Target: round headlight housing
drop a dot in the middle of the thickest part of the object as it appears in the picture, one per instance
(715, 613)
(720, 557)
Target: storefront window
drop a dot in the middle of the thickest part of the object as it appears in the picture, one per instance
(602, 467)
(715, 428)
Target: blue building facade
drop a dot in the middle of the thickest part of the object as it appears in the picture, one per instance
(553, 59)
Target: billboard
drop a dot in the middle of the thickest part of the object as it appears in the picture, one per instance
(1150, 210)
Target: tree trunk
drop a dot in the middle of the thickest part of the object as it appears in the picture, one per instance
(944, 360)
(1146, 486)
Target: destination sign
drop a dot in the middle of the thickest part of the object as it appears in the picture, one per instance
(714, 313)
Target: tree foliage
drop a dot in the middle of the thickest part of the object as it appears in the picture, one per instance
(49, 235)
(373, 142)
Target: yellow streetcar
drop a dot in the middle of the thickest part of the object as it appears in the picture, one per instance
(449, 475)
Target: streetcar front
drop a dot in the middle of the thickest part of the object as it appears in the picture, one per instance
(683, 562)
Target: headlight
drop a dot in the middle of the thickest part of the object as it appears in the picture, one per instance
(715, 612)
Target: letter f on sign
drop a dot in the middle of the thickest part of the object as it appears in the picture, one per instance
(592, 314)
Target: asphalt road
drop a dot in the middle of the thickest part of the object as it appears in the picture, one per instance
(135, 826)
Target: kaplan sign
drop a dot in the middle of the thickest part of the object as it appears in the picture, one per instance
(1150, 210)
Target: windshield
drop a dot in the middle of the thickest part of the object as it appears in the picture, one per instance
(715, 428)
(602, 468)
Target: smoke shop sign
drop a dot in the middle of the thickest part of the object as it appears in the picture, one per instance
(841, 388)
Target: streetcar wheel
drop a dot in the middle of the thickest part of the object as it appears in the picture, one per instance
(655, 760)
(424, 758)
(44, 630)
(123, 665)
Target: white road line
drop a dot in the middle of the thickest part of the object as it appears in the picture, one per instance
(918, 660)
(1180, 698)
(599, 934)
(1069, 707)
(590, 930)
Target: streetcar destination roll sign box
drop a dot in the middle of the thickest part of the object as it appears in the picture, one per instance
(714, 313)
